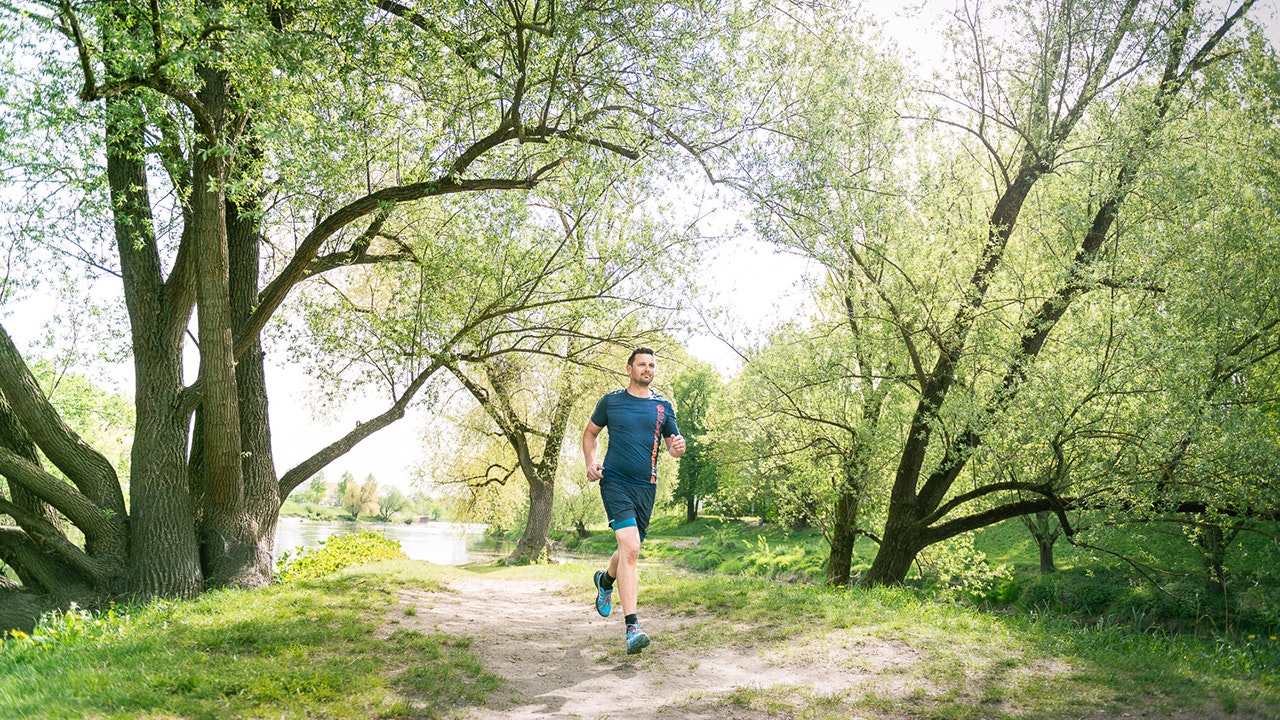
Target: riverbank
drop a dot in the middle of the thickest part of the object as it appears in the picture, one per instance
(437, 541)
(408, 639)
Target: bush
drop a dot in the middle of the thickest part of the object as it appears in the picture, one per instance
(336, 553)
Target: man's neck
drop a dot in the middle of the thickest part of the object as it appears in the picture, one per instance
(640, 391)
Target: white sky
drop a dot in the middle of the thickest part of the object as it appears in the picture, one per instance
(757, 287)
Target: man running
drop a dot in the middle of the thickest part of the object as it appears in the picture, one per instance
(637, 418)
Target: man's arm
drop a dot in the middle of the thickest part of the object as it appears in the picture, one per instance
(595, 470)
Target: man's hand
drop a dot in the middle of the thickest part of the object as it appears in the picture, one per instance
(595, 471)
(675, 445)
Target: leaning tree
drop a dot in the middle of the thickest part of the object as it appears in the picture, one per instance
(237, 151)
(987, 232)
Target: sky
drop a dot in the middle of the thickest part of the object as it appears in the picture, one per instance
(755, 285)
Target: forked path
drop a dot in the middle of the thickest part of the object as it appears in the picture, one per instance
(561, 660)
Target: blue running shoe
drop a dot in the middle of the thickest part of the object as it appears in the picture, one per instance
(604, 598)
(637, 640)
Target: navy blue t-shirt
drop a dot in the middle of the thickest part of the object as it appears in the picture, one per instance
(636, 428)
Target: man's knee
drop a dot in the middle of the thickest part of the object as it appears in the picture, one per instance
(628, 544)
(630, 551)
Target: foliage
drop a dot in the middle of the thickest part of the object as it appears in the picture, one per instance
(103, 418)
(67, 628)
(316, 491)
(361, 498)
(694, 390)
(334, 554)
(391, 503)
(956, 567)
(1018, 284)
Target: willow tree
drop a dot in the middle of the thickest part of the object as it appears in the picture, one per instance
(245, 148)
(976, 225)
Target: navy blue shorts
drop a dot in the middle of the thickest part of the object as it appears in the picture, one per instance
(628, 504)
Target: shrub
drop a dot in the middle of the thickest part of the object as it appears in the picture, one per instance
(336, 553)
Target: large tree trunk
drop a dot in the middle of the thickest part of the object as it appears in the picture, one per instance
(898, 549)
(227, 542)
(532, 546)
(843, 536)
(261, 485)
(163, 558)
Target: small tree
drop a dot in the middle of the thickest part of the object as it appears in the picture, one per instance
(361, 499)
(694, 389)
(316, 491)
(390, 503)
(340, 492)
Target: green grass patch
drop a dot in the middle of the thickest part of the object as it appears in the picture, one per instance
(302, 650)
(715, 544)
(1090, 587)
(967, 662)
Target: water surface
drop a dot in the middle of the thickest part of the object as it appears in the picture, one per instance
(443, 543)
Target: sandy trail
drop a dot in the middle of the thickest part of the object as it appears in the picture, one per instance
(562, 660)
(559, 659)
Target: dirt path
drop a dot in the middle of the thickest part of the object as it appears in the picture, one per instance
(559, 659)
(562, 660)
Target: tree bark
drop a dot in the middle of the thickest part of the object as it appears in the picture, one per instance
(1044, 530)
(532, 546)
(13, 437)
(898, 549)
(261, 485)
(163, 552)
(843, 536)
(227, 539)
(20, 607)
(1045, 545)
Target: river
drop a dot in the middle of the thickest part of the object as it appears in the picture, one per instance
(443, 543)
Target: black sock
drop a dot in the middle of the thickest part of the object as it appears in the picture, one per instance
(606, 582)
(631, 619)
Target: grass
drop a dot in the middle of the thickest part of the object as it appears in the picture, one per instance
(313, 648)
(965, 662)
(1089, 587)
(289, 651)
(729, 546)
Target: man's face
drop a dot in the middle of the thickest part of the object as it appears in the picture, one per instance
(641, 369)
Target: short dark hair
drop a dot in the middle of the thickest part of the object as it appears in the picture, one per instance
(639, 351)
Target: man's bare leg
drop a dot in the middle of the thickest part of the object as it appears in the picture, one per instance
(622, 565)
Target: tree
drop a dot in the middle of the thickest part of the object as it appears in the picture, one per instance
(694, 389)
(210, 118)
(998, 243)
(316, 492)
(532, 415)
(391, 503)
(345, 483)
(361, 498)
(807, 411)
